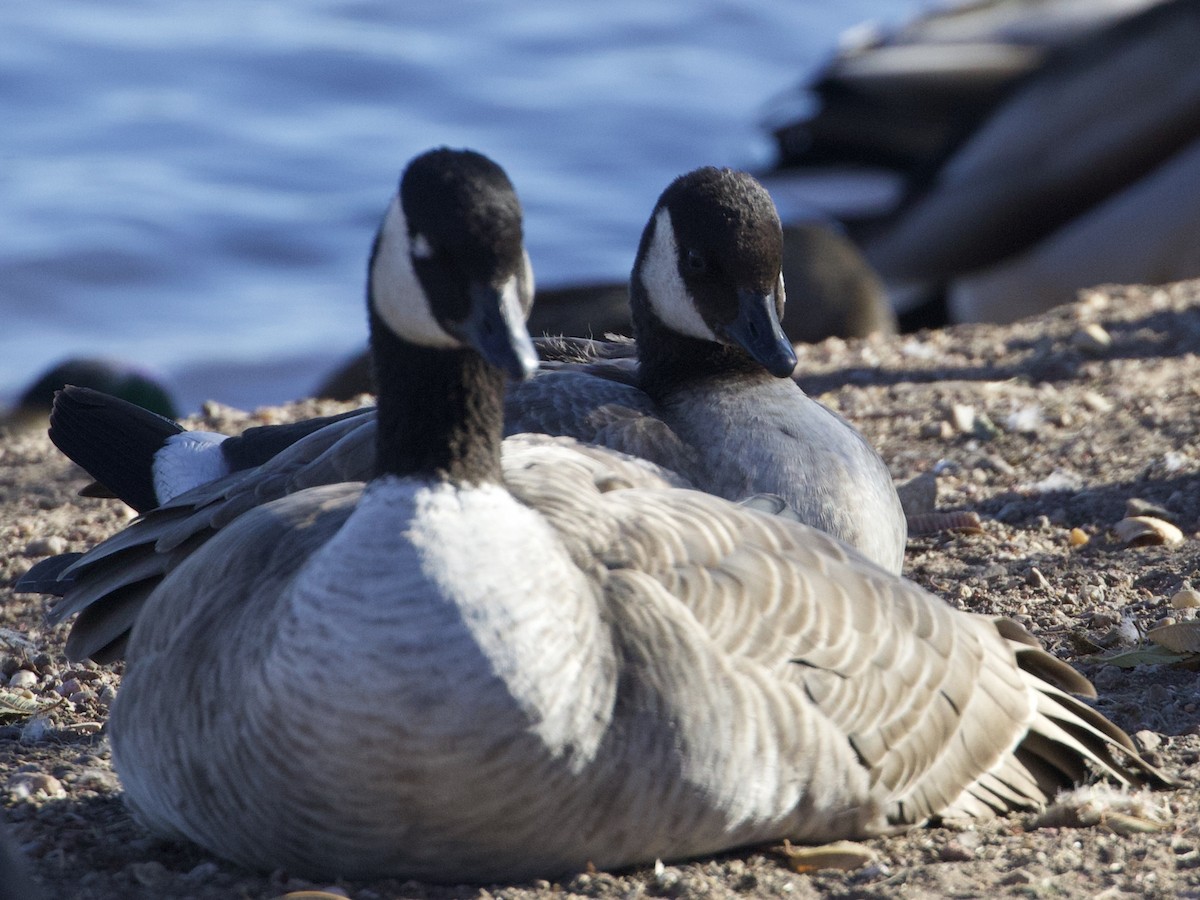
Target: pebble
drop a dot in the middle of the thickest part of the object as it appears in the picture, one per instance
(24, 785)
(1077, 537)
(1186, 599)
(1135, 506)
(50, 545)
(1156, 697)
(103, 781)
(963, 417)
(150, 874)
(1017, 876)
(202, 873)
(1091, 339)
(22, 678)
(1097, 402)
(955, 852)
(1148, 740)
(1109, 678)
(1035, 578)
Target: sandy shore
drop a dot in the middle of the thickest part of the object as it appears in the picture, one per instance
(1047, 429)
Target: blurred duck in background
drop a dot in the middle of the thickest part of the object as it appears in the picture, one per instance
(995, 158)
(116, 377)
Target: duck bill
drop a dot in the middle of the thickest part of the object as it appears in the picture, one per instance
(496, 328)
(756, 330)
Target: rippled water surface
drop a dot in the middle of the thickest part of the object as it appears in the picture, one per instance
(195, 186)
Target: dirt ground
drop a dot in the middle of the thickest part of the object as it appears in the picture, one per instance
(1048, 429)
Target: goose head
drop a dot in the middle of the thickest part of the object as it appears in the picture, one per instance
(449, 287)
(449, 269)
(709, 269)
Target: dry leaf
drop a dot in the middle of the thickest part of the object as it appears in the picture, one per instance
(15, 706)
(1182, 637)
(1142, 656)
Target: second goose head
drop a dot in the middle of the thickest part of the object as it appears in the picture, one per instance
(449, 287)
(707, 287)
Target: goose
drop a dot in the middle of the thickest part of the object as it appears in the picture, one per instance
(484, 666)
(706, 395)
(1080, 170)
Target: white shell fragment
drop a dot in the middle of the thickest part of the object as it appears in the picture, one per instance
(1142, 531)
(844, 855)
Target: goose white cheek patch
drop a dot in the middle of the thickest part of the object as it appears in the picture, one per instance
(668, 295)
(396, 292)
(526, 284)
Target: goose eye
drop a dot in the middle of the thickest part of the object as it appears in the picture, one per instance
(695, 262)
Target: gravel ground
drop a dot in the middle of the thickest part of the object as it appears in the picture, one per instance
(1048, 430)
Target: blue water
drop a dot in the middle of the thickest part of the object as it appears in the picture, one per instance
(195, 186)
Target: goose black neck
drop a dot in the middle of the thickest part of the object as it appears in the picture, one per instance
(440, 412)
(668, 360)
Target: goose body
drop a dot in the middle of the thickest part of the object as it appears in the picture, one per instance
(1078, 167)
(707, 396)
(485, 667)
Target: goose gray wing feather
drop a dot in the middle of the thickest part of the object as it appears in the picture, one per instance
(947, 711)
(576, 402)
(101, 584)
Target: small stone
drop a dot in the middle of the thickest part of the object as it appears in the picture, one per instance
(50, 545)
(1097, 402)
(1135, 506)
(150, 874)
(202, 873)
(1156, 696)
(1186, 599)
(103, 781)
(1148, 740)
(1035, 578)
(955, 852)
(963, 417)
(1077, 537)
(24, 785)
(1091, 339)
(22, 679)
(1018, 876)
(1109, 678)
(1024, 420)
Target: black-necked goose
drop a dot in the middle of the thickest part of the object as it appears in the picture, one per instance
(707, 396)
(485, 667)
